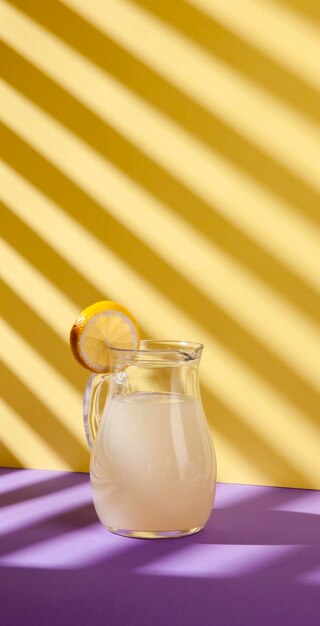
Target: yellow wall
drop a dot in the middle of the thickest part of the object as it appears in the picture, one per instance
(165, 155)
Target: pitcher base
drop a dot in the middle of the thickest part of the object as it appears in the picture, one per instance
(154, 534)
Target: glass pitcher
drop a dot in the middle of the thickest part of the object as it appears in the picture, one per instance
(153, 466)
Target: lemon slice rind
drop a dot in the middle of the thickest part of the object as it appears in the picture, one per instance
(98, 328)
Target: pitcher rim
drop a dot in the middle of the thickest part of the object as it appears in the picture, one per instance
(191, 350)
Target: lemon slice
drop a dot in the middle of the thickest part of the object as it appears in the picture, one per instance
(101, 326)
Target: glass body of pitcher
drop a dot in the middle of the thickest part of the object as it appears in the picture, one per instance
(153, 467)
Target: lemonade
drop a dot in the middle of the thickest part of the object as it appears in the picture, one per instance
(153, 466)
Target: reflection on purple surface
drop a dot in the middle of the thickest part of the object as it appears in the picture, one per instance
(256, 562)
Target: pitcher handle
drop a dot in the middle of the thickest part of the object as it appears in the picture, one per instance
(91, 412)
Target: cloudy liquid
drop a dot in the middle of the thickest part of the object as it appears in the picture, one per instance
(153, 465)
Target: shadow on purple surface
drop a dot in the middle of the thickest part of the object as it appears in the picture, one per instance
(41, 488)
(49, 528)
(146, 582)
(9, 470)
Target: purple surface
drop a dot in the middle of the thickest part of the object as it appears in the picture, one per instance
(256, 562)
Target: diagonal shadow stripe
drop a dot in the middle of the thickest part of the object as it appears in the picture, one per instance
(48, 529)
(185, 111)
(56, 483)
(52, 265)
(137, 254)
(307, 8)
(8, 458)
(41, 337)
(226, 45)
(159, 182)
(275, 468)
(39, 417)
